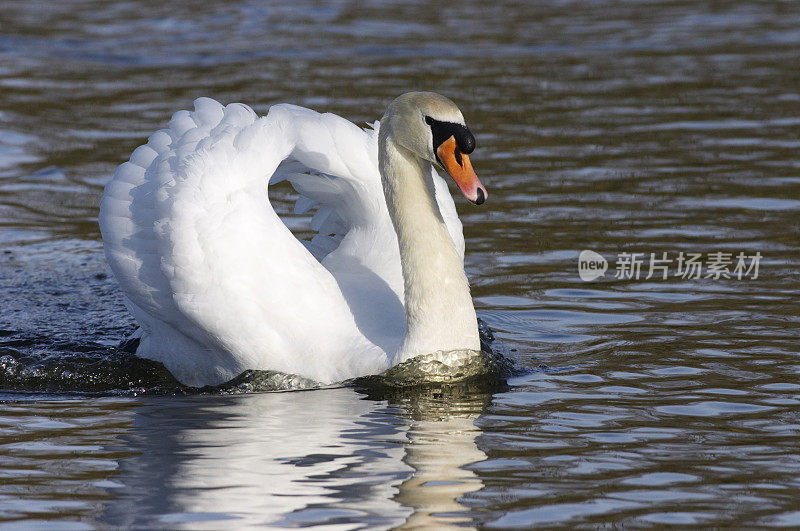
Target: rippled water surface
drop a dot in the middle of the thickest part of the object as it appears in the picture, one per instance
(641, 127)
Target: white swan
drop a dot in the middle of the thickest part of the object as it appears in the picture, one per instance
(219, 285)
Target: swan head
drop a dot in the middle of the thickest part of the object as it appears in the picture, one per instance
(432, 127)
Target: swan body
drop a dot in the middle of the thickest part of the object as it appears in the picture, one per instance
(217, 282)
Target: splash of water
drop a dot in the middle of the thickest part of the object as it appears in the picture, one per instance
(39, 366)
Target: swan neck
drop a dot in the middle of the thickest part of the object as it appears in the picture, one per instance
(438, 304)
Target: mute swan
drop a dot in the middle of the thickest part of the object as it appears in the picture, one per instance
(219, 285)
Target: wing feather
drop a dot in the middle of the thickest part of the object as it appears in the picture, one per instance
(216, 280)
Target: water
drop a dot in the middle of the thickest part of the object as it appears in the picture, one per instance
(644, 127)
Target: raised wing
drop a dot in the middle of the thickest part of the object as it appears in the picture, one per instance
(216, 280)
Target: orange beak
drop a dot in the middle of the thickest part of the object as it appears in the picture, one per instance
(461, 171)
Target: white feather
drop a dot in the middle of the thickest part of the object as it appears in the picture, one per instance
(216, 280)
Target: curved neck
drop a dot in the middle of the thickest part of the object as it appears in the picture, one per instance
(438, 305)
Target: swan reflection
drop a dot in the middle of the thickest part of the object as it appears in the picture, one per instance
(439, 445)
(330, 457)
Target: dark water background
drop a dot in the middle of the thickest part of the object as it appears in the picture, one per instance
(612, 126)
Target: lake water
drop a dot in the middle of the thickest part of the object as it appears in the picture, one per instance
(642, 127)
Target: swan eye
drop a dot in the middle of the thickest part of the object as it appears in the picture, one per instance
(444, 130)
